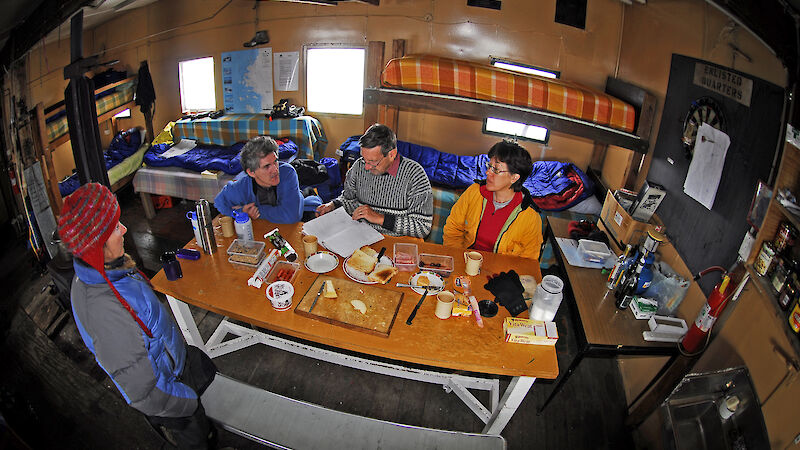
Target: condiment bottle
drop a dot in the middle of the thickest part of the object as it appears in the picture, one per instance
(789, 292)
(243, 225)
(794, 317)
(280, 243)
(615, 275)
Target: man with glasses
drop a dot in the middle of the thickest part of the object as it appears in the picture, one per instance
(266, 188)
(391, 193)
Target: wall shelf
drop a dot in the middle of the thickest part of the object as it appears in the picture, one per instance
(764, 286)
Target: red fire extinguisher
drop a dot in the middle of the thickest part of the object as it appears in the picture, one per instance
(13, 176)
(696, 336)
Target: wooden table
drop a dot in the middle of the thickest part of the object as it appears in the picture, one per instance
(456, 344)
(601, 328)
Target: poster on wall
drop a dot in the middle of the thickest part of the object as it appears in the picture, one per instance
(247, 81)
(286, 68)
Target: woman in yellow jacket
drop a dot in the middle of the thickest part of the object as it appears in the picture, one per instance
(498, 214)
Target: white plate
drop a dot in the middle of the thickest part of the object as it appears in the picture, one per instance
(435, 282)
(322, 262)
(361, 277)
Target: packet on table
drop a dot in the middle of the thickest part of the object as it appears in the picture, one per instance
(529, 331)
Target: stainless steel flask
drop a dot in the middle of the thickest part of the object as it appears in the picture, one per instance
(207, 240)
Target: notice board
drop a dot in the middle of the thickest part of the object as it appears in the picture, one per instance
(752, 110)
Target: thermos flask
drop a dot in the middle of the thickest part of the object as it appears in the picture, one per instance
(207, 240)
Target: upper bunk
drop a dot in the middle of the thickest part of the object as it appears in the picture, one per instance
(621, 116)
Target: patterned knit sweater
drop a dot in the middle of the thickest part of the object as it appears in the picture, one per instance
(405, 200)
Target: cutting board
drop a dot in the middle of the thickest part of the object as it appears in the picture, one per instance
(382, 305)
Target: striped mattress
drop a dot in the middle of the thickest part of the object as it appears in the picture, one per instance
(466, 79)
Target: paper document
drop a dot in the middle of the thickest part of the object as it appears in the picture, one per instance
(339, 233)
(705, 170)
(180, 148)
(569, 248)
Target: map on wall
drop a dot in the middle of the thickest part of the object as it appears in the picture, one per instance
(247, 81)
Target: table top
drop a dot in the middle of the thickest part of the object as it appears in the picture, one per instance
(603, 323)
(214, 284)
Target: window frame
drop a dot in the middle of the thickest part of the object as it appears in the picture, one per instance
(485, 130)
(340, 46)
(213, 79)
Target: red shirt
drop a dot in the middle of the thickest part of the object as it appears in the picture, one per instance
(492, 221)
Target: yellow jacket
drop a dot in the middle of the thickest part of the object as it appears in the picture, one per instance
(521, 235)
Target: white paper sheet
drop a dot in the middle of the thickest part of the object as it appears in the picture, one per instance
(569, 248)
(180, 148)
(286, 68)
(339, 233)
(705, 170)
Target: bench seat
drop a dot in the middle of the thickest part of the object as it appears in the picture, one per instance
(280, 421)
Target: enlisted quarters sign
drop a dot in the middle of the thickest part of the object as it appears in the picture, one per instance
(723, 82)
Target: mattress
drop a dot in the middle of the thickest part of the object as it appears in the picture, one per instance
(466, 79)
(119, 96)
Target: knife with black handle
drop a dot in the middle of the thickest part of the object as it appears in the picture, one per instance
(419, 303)
(314, 303)
(380, 254)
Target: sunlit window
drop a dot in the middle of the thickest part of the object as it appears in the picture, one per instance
(197, 85)
(520, 130)
(335, 80)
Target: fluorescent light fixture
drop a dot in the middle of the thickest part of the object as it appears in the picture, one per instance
(197, 85)
(335, 80)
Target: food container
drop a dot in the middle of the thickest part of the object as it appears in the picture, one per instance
(408, 258)
(441, 264)
(247, 254)
(593, 251)
(283, 271)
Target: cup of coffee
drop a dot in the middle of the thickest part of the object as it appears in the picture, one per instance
(473, 260)
(228, 230)
(310, 244)
(444, 304)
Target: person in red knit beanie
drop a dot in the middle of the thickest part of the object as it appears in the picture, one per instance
(130, 332)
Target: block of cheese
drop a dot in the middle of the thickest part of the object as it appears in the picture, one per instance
(329, 291)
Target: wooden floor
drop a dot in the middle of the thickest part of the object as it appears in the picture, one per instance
(54, 395)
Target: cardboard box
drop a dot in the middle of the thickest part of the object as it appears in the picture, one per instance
(529, 331)
(622, 228)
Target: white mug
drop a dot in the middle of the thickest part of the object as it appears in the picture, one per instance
(473, 261)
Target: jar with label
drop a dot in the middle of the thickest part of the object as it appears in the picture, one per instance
(785, 237)
(789, 292)
(794, 317)
(765, 258)
(780, 274)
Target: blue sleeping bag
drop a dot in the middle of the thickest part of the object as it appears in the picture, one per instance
(123, 145)
(211, 157)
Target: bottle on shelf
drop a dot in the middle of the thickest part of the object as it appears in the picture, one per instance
(615, 276)
(789, 293)
(794, 317)
(625, 294)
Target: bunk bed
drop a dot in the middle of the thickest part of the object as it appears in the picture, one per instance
(110, 100)
(195, 180)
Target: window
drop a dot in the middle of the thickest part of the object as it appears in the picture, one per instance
(502, 127)
(335, 80)
(125, 113)
(197, 85)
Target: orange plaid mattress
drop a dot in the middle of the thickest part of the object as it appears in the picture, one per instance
(466, 79)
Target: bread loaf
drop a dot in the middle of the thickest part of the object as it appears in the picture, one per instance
(362, 262)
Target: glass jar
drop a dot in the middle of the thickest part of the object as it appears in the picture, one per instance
(779, 275)
(785, 237)
(765, 258)
(794, 317)
(789, 292)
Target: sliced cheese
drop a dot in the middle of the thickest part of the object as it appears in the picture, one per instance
(330, 292)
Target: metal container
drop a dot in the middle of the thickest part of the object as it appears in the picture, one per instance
(205, 227)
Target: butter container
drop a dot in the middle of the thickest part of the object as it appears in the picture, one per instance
(441, 264)
(529, 331)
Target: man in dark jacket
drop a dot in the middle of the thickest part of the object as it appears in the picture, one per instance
(130, 332)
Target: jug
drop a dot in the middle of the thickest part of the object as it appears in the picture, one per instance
(547, 299)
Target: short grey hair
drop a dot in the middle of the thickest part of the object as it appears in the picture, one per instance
(255, 150)
(379, 135)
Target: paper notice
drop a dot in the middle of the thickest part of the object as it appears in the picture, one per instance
(286, 66)
(180, 148)
(705, 170)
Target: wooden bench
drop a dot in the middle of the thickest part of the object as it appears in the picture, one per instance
(283, 422)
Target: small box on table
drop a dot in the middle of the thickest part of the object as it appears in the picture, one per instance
(529, 331)
(623, 228)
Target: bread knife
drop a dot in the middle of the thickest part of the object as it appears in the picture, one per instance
(419, 303)
(314, 303)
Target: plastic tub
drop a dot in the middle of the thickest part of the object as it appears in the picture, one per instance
(246, 252)
(441, 264)
(408, 257)
(283, 271)
(593, 251)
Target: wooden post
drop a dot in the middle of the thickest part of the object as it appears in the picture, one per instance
(392, 113)
(46, 152)
(374, 66)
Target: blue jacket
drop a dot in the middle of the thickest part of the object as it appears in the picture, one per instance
(145, 370)
(291, 203)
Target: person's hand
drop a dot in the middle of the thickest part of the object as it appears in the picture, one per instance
(325, 208)
(252, 210)
(365, 212)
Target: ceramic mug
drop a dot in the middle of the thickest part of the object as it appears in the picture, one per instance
(228, 229)
(310, 244)
(444, 304)
(473, 260)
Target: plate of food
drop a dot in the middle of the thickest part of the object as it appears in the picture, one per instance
(322, 262)
(363, 267)
(433, 281)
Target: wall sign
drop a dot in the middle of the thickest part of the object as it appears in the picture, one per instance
(723, 82)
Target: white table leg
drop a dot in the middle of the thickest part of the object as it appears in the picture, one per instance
(183, 316)
(511, 400)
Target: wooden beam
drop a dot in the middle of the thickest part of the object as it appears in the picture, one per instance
(374, 67)
(480, 109)
(52, 181)
(392, 113)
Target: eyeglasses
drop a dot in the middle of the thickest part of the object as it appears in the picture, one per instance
(373, 163)
(495, 170)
